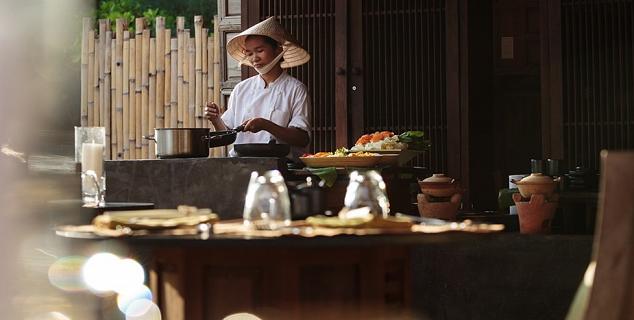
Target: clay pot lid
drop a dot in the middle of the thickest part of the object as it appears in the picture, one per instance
(438, 178)
(536, 178)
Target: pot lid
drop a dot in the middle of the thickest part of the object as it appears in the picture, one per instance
(438, 178)
(537, 178)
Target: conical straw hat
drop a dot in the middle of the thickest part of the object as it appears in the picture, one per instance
(294, 55)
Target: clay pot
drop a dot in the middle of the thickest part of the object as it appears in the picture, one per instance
(535, 215)
(536, 183)
(439, 185)
(446, 210)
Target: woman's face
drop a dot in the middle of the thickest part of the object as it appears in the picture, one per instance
(259, 51)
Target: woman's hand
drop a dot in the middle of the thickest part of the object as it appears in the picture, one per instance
(212, 113)
(256, 125)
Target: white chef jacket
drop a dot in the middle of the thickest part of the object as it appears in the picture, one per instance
(285, 102)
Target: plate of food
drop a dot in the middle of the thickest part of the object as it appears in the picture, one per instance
(341, 158)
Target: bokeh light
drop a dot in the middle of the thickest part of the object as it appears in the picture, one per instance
(143, 309)
(126, 298)
(242, 316)
(129, 275)
(65, 274)
(99, 272)
(54, 315)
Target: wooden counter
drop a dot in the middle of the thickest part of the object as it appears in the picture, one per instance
(442, 276)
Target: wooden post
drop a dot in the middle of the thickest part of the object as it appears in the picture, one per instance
(126, 94)
(86, 87)
(106, 91)
(104, 25)
(152, 113)
(138, 135)
(167, 79)
(198, 69)
(174, 86)
(180, 26)
(160, 72)
(191, 82)
(145, 85)
(132, 108)
(119, 87)
(210, 73)
(204, 76)
(86, 28)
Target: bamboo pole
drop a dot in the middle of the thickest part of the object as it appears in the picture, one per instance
(119, 86)
(174, 84)
(218, 152)
(167, 95)
(132, 108)
(152, 113)
(126, 95)
(106, 90)
(86, 87)
(113, 101)
(217, 63)
(138, 135)
(210, 68)
(191, 82)
(145, 83)
(160, 72)
(185, 96)
(180, 26)
(86, 28)
(204, 76)
(95, 84)
(104, 25)
(198, 69)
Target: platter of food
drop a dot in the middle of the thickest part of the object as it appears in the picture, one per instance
(345, 161)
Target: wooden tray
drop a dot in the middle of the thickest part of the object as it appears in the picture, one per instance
(322, 162)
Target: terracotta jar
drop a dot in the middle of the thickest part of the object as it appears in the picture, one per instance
(439, 185)
(536, 183)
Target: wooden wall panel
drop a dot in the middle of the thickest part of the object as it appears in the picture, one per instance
(312, 23)
(404, 72)
(597, 78)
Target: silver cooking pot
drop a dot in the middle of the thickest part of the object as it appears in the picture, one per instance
(189, 142)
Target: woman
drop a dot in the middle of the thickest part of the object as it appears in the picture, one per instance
(271, 105)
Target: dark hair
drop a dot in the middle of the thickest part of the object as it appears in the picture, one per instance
(270, 41)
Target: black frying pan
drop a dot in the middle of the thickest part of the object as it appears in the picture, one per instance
(262, 150)
(223, 138)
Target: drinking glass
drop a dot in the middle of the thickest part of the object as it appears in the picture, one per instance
(93, 189)
(267, 204)
(367, 189)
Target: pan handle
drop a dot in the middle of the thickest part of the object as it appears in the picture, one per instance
(150, 137)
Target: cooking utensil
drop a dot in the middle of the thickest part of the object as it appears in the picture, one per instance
(223, 138)
(536, 183)
(262, 150)
(180, 142)
(439, 185)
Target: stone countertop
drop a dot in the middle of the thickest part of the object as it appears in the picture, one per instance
(216, 183)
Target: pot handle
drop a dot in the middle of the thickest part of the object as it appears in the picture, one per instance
(150, 137)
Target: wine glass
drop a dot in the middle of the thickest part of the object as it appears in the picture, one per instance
(367, 189)
(267, 205)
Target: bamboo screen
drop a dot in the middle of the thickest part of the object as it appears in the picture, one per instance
(312, 24)
(598, 78)
(132, 83)
(404, 72)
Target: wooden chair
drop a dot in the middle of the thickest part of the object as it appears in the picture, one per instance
(607, 291)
